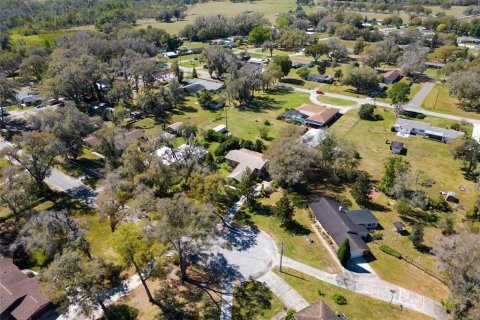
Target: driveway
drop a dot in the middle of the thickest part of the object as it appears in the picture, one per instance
(416, 102)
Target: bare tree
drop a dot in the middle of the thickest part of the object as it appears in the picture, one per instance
(111, 200)
(460, 261)
(8, 91)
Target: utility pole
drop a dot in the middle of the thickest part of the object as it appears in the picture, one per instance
(226, 115)
(281, 255)
(392, 291)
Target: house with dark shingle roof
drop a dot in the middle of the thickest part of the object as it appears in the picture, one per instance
(316, 311)
(335, 220)
(20, 296)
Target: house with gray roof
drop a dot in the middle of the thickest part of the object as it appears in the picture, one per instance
(313, 137)
(407, 126)
(336, 222)
(363, 217)
(244, 159)
(194, 86)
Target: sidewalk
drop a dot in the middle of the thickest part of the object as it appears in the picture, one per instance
(290, 298)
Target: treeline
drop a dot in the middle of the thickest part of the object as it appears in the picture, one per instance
(67, 13)
(418, 2)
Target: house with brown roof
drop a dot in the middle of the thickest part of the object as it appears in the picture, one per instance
(20, 296)
(316, 311)
(244, 159)
(135, 135)
(174, 127)
(391, 76)
(318, 116)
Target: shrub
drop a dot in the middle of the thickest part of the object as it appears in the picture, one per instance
(290, 313)
(439, 204)
(339, 299)
(390, 251)
(343, 252)
(367, 112)
(122, 312)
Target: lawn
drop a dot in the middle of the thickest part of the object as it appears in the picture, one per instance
(440, 100)
(336, 101)
(3, 163)
(243, 121)
(43, 39)
(431, 157)
(191, 64)
(295, 244)
(271, 8)
(358, 306)
(276, 306)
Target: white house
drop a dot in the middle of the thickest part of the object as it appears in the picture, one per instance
(407, 126)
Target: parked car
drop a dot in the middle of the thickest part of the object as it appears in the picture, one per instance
(319, 92)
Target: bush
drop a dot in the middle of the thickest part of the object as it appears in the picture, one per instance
(343, 252)
(390, 251)
(403, 207)
(339, 299)
(439, 204)
(290, 313)
(303, 72)
(367, 112)
(122, 312)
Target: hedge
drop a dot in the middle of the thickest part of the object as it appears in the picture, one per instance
(390, 251)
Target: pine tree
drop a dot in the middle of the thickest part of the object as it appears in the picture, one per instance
(417, 235)
(343, 252)
(361, 188)
(284, 210)
(194, 73)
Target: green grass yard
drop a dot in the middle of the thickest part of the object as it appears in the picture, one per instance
(439, 100)
(295, 244)
(276, 306)
(358, 306)
(336, 101)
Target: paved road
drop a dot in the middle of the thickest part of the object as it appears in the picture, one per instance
(289, 296)
(417, 101)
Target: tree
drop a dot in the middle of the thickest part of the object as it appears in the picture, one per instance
(145, 255)
(194, 73)
(337, 51)
(9, 62)
(188, 130)
(290, 162)
(459, 256)
(303, 72)
(270, 46)
(474, 213)
(8, 91)
(218, 60)
(205, 97)
(186, 226)
(252, 298)
(464, 86)
(343, 252)
(69, 125)
(246, 187)
(284, 62)
(338, 75)
(317, 50)
(121, 92)
(264, 130)
(73, 279)
(177, 72)
(413, 60)
(359, 45)
(273, 73)
(35, 152)
(284, 210)
(111, 144)
(399, 93)
(51, 232)
(447, 226)
(367, 112)
(361, 188)
(394, 167)
(34, 66)
(259, 35)
(16, 192)
(417, 236)
(468, 150)
(112, 199)
(364, 79)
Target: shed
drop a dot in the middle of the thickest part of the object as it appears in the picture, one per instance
(398, 226)
(391, 76)
(173, 128)
(220, 128)
(451, 197)
(396, 147)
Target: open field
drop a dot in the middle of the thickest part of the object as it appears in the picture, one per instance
(295, 243)
(358, 306)
(271, 8)
(439, 100)
(432, 157)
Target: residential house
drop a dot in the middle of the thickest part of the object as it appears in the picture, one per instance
(91, 140)
(468, 42)
(170, 54)
(302, 64)
(135, 135)
(391, 76)
(434, 65)
(363, 217)
(29, 97)
(396, 147)
(336, 222)
(183, 153)
(174, 128)
(194, 86)
(244, 159)
(320, 78)
(318, 116)
(20, 295)
(316, 311)
(406, 126)
(313, 137)
(258, 61)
